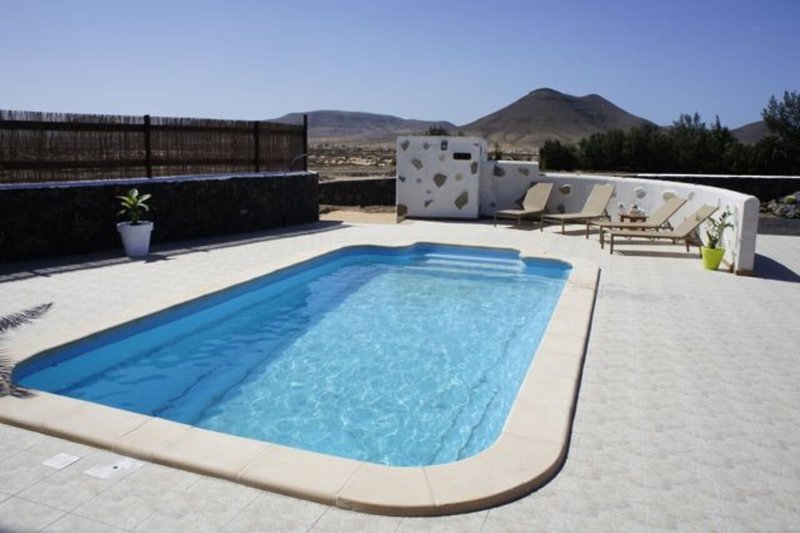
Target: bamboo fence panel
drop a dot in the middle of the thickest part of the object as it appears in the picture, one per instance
(39, 147)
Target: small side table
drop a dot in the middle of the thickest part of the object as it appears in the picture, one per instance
(632, 217)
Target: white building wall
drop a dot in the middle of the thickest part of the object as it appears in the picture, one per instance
(438, 177)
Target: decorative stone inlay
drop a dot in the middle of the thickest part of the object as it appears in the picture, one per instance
(404, 145)
(428, 202)
(419, 181)
(402, 209)
(402, 179)
(499, 171)
(524, 171)
(473, 167)
(640, 192)
(417, 163)
(565, 189)
(426, 145)
(462, 199)
(561, 209)
(459, 177)
(668, 194)
(439, 180)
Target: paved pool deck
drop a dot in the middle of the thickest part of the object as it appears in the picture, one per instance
(688, 414)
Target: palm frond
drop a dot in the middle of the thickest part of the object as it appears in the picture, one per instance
(12, 321)
(15, 320)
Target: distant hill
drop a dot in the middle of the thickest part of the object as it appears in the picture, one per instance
(542, 114)
(751, 133)
(547, 114)
(349, 126)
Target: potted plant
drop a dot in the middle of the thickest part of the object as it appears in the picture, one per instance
(713, 253)
(135, 233)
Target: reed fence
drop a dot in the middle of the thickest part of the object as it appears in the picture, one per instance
(39, 147)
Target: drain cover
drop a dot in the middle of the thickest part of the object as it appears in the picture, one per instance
(61, 460)
(116, 469)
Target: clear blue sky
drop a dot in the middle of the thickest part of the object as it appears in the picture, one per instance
(427, 59)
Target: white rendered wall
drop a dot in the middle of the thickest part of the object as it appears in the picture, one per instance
(504, 184)
(433, 183)
(739, 242)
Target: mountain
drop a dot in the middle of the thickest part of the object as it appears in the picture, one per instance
(349, 126)
(751, 133)
(548, 114)
(542, 114)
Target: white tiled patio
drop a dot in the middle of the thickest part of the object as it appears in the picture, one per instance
(688, 415)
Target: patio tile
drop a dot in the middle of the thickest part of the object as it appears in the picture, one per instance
(23, 470)
(293, 509)
(185, 512)
(460, 523)
(666, 518)
(223, 491)
(158, 478)
(21, 515)
(343, 521)
(65, 490)
(71, 523)
(248, 521)
(124, 505)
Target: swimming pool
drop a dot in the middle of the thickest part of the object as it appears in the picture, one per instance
(404, 357)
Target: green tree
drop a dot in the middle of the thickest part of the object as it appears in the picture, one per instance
(556, 156)
(783, 120)
(689, 136)
(648, 149)
(436, 130)
(721, 150)
(604, 151)
(783, 117)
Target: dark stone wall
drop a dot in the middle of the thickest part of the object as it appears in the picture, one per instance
(765, 189)
(41, 221)
(370, 191)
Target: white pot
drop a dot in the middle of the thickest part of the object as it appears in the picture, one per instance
(136, 237)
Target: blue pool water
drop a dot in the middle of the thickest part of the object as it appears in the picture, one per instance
(404, 357)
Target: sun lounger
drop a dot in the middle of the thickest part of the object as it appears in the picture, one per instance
(684, 231)
(532, 205)
(658, 220)
(594, 207)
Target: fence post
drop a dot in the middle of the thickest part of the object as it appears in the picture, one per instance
(148, 152)
(305, 142)
(256, 149)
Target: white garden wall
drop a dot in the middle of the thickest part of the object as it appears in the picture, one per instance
(432, 184)
(438, 177)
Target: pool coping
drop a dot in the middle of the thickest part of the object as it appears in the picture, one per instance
(529, 452)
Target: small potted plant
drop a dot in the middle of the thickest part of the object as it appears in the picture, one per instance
(713, 252)
(135, 232)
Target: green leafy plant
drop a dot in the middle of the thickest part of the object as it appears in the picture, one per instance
(133, 204)
(717, 229)
(790, 199)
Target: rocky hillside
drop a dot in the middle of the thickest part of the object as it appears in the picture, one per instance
(547, 114)
(350, 127)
